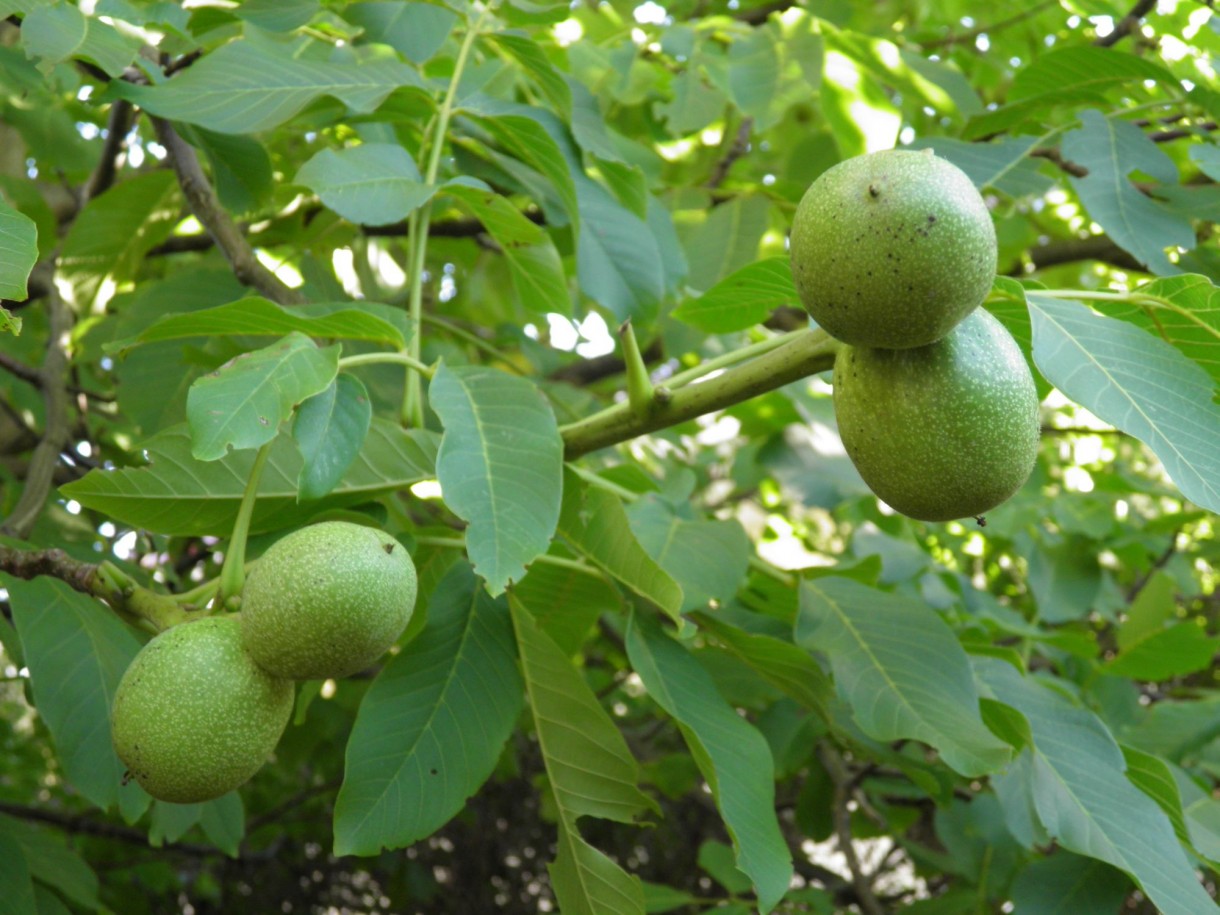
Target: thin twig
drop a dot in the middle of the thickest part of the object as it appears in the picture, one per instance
(90, 827)
(988, 29)
(1127, 24)
(117, 126)
(1052, 154)
(53, 380)
(208, 210)
(841, 815)
(738, 148)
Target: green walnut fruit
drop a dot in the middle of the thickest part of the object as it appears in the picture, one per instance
(194, 717)
(948, 430)
(327, 601)
(892, 249)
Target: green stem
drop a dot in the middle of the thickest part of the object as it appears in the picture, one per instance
(420, 220)
(724, 360)
(414, 365)
(198, 596)
(640, 395)
(1135, 298)
(802, 354)
(233, 572)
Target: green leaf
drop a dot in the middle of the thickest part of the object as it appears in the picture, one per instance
(1084, 68)
(527, 140)
(373, 184)
(1064, 578)
(900, 669)
(500, 467)
(241, 168)
(433, 724)
(594, 522)
(177, 494)
(533, 261)
(566, 601)
(9, 324)
(708, 558)
(224, 823)
(255, 316)
(754, 63)
(1174, 652)
(116, 229)
(590, 770)
(18, 252)
(1152, 775)
(733, 756)
(242, 403)
(242, 88)
(782, 664)
(742, 299)
(277, 15)
(1187, 315)
(1085, 801)
(77, 651)
(1139, 384)
(694, 105)
(1111, 149)
(616, 260)
(51, 861)
(1001, 164)
(586, 882)
(16, 885)
(418, 30)
(330, 428)
(534, 60)
(1067, 884)
(53, 33)
(1153, 606)
(727, 240)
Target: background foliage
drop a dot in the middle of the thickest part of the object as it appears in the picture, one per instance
(700, 669)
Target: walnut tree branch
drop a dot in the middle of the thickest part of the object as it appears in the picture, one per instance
(1128, 24)
(208, 210)
(841, 815)
(117, 126)
(104, 581)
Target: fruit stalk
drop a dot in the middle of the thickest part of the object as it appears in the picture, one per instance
(807, 353)
(233, 572)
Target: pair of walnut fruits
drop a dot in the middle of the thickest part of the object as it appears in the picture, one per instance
(892, 253)
(204, 703)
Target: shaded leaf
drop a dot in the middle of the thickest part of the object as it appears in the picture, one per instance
(500, 467)
(617, 263)
(1067, 884)
(727, 240)
(533, 262)
(733, 756)
(241, 88)
(256, 316)
(51, 861)
(1174, 652)
(77, 651)
(242, 403)
(18, 252)
(595, 524)
(418, 30)
(330, 428)
(114, 231)
(373, 184)
(590, 770)
(177, 494)
(1085, 801)
(566, 601)
(17, 897)
(433, 724)
(742, 299)
(900, 668)
(1001, 164)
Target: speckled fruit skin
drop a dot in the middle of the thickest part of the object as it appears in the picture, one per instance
(892, 249)
(948, 430)
(194, 717)
(327, 601)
